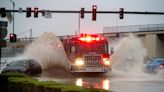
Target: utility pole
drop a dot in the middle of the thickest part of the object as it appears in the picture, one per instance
(31, 33)
(79, 24)
(13, 24)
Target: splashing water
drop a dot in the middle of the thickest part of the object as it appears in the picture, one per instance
(128, 56)
(48, 51)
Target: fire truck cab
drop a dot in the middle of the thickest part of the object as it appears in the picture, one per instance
(87, 53)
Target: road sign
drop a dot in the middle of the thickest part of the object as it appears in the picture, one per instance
(3, 24)
(48, 14)
(20, 10)
(3, 33)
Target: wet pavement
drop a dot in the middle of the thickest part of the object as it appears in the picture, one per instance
(137, 84)
(146, 83)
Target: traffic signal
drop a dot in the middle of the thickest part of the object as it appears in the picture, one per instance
(36, 11)
(82, 13)
(13, 37)
(2, 12)
(43, 12)
(121, 13)
(94, 11)
(28, 13)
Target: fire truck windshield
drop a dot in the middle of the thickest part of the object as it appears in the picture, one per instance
(97, 47)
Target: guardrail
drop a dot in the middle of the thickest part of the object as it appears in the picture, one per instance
(134, 28)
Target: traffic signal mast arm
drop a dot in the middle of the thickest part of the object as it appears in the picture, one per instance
(100, 12)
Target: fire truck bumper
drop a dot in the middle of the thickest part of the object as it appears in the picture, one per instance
(75, 69)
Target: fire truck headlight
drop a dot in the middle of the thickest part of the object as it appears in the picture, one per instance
(79, 61)
(106, 62)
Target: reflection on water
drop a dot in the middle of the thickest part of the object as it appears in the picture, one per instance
(93, 83)
(79, 82)
(105, 84)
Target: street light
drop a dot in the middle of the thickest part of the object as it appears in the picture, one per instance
(13, 13)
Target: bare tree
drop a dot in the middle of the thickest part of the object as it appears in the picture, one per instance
(8, 16)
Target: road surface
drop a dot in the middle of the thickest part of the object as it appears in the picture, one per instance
(115, 83)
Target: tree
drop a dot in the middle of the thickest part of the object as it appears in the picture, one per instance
(8, 16)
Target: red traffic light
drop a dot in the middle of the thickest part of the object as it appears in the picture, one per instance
(94, 7)
(82, 12)
(36, 11)
(13, 37)
(94, 11)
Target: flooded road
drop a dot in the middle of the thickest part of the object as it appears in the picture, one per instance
(146, 83)
(137, 84)
(121, 85)
(126, 86)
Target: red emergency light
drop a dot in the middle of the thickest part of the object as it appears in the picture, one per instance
(89, 38)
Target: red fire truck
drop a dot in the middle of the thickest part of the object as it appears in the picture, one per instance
(87, 53)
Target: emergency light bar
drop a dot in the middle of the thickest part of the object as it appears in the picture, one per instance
(89, 38)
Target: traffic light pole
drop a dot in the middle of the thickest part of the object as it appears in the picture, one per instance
(79, 24)
(13, 14)
(13, 18)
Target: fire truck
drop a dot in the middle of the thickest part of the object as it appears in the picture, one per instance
(87, 53)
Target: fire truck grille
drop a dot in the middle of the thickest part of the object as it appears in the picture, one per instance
(92, 60)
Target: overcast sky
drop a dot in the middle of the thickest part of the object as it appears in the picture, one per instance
(67, 24)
